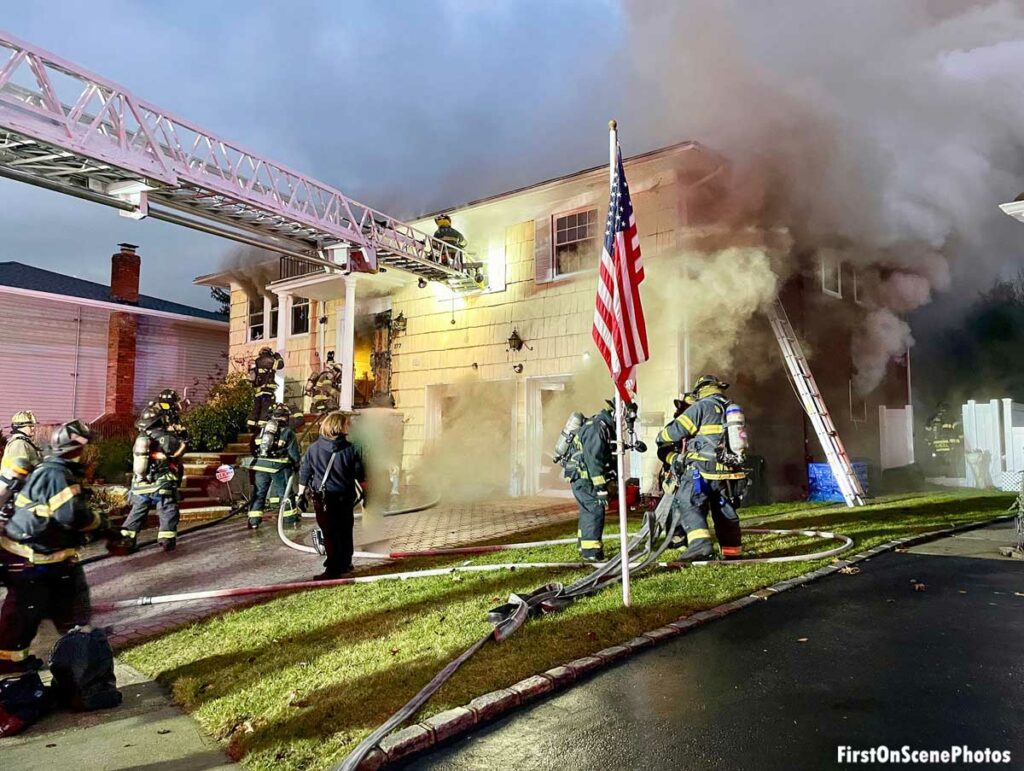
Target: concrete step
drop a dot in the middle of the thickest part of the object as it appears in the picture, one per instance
(239, 448)
(204, 513)
(210, 457)
(200, 469)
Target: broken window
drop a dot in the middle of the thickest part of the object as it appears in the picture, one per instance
(576, 242)
(300, 316)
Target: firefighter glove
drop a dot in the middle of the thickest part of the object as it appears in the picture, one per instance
(602, 493)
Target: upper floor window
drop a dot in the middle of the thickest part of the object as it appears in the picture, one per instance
(300, 316)
(255, 322)
(577, 241)
(831, 273)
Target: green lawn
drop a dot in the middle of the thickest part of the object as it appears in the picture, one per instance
(297, 681)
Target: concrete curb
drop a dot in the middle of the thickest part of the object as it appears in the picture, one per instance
(423, 736)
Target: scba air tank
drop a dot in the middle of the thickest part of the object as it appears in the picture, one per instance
(572, 425)
(736, 429)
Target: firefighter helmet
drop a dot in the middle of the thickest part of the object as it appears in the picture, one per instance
(69, 437)
(23, 419)
(443, 220)
(281, 411)
(167, 399)
(266, 351)
(708, 384)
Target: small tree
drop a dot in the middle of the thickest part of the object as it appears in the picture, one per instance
(222, 417)
(222, 296)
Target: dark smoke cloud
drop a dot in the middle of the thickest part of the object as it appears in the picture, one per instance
(888, 130)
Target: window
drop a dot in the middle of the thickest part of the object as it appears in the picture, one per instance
(255, 313)
(300, 316)
(831, 273)
(576, 241)
(273, 316)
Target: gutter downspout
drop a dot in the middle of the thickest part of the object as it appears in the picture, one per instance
(78, 350)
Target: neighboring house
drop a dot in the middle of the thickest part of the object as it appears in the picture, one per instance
(448, 362)
(76, 348)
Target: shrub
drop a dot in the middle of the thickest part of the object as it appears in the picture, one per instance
(222, 417)
(108, 459)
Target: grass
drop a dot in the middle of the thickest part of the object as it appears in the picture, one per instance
(297, 682)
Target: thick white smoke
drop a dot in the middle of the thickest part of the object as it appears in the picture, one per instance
(891, 128)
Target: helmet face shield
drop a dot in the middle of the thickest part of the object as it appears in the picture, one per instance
(69, 438)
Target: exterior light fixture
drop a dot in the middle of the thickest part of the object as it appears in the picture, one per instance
(516, 343)
(517, 368)
(399, 323)
(422, 283)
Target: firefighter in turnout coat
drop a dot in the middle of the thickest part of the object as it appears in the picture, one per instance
(589, 469)
(261, 375)
(277, 459)
(706, 476)
(157, 470)
(39, 551)
(21, 455)
(323, 387)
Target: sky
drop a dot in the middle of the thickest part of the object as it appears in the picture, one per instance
(885, 123)
(407, 106)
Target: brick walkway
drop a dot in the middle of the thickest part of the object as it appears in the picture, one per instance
(228, 555)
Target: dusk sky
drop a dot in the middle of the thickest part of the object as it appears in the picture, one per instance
(407, 106)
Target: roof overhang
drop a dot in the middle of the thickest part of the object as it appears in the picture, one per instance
(1014, 209)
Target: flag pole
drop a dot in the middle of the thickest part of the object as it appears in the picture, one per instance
(620, 454)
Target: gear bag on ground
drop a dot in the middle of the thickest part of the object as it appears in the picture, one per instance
(23, 701)
(82, 665)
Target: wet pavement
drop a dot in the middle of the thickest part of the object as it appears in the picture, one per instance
(859, 660)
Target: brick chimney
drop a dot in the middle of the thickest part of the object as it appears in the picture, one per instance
(124, 275)
(121, 332)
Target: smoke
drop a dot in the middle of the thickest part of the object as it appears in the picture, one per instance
(252, 269)
(887, 130)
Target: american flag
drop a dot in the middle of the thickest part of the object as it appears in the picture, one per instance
(619, 329)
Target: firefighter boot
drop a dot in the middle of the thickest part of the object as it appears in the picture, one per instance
(126, 544)
(254, 522)
(168, 543)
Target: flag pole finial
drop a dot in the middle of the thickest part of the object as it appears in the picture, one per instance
(612, 124)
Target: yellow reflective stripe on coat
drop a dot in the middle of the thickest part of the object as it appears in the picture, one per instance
(686, 423)
(35, 557)
(713, 428)
(598, 479)
(14, 655)
(65, 495)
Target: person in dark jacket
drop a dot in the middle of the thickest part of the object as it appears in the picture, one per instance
(589, 469)
(332, 476)
(39, 551)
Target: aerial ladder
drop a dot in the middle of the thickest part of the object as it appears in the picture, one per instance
(814, 405)
(66, 129)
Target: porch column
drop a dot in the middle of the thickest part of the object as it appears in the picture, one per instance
(284, 322)
(348, 345)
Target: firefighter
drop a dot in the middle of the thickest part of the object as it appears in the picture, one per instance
(157, 470)
(945, 438)
(261, 373)
(449, 235)
(21, 455)
(706, 471)
(589, 468)
(38, 549)
(323, 387)
(277, 459)
(165, 409)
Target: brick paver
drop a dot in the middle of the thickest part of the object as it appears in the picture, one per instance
(228, 555)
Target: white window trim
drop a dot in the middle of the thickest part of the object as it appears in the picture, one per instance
(839, 277)
(248, 321)
(857, 298)
(291, 317)
(555, 275)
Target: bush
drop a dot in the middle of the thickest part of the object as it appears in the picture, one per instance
(216, 423)
(108, 459)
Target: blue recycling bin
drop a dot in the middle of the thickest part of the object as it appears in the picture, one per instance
(821, 484)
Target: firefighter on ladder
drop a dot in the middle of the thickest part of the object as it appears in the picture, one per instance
(277, 459)
(324, 386)
(21, 455)
(39, 550)
(261, 374)
(157, 470)
(704, 446)
(449, 235)
(589, 468)
(945, 438)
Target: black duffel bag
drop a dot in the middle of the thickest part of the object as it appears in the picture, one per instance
(23, 700)
(82, 665)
